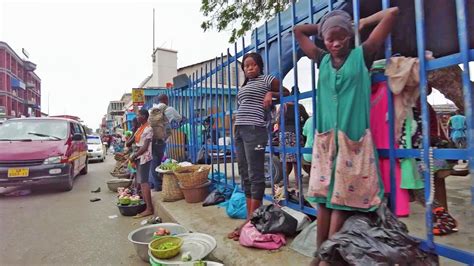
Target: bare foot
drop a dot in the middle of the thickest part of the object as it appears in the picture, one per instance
(235, 235)
(314, 262)
(145, 213)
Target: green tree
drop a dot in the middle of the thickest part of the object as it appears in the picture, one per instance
(238, 15)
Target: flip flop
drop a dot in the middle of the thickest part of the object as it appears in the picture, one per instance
(139, 216)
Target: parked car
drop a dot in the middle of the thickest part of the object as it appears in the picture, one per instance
(95, 149)
(42, 151)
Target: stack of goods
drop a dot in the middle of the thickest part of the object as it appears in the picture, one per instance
(194, 182)
(121, 167)
(129, 203)
(170, 187)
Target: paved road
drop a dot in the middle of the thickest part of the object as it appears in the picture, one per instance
(64, 228)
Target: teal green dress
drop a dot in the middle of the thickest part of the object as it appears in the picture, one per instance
(345, 173)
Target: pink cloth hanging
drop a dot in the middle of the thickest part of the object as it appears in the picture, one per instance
(380, 130)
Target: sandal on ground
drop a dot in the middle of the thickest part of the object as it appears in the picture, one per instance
(141, 215)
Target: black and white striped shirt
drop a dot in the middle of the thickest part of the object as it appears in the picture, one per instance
(250, 101)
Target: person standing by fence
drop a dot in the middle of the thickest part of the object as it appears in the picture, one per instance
(166, 118)
(254, 100)
(457, 129)
(289, 136)
(344, 175)
(143, 139)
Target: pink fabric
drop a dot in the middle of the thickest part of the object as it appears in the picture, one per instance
(380, 131)
(251, 237)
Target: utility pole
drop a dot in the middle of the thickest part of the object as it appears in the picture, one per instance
(153, 30)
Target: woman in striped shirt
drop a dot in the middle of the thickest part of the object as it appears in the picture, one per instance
(254, 100)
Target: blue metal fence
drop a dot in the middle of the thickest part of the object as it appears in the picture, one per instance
(209, 104)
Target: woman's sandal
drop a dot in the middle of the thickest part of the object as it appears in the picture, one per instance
(445, 223)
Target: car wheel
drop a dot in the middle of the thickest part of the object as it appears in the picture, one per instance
(103, 159)
(277, 170)
(68, 184)
(85, 169)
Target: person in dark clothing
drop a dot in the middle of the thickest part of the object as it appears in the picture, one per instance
(159, 145)
(289, 135)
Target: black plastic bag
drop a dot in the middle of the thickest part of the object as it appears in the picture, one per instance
(271, 219)
(214, 198)
(375, 239)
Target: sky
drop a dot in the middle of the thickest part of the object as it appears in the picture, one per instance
(91, 52)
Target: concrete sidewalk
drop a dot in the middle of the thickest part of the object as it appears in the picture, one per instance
(214, 221)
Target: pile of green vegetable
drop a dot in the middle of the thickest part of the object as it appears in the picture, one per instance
(169, 166)
(167, 245)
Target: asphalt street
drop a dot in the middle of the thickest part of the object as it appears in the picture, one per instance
(48, 227)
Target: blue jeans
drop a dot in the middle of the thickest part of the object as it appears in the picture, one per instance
(158, 149)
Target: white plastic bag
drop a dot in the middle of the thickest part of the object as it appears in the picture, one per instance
(302, 219)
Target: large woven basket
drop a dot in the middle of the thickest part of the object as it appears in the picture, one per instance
(170, 188)
(193, 176)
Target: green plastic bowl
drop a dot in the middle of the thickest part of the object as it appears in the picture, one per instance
(165, 253)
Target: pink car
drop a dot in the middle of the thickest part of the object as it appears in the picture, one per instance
(42, 151)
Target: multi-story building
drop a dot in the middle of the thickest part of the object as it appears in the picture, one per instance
(221, 79)
(114, 115)
(20, 87)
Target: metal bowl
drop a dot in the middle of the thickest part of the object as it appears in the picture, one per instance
(142, 236)
(114, 184)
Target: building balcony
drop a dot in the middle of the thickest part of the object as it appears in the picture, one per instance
(30, 85)
(29, 66)
(116, 113)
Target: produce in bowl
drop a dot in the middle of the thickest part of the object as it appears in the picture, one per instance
(169, 166)
(161, 232)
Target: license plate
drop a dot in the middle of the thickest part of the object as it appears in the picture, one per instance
(18, 172)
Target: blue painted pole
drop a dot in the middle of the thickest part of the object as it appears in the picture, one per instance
(211, 120)
(230, 106)
(206, 141)
(224, 135)
(330, 6)
(463, 35)
(282, 115)
(190, 94)
(356, 9)
(391, 119)
(267, 60)
(296, 94)
(217, 117)
(419, 12)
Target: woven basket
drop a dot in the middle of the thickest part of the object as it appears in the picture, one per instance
(170, 188)
(193, 176)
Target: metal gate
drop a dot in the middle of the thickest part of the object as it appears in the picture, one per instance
(209, 104)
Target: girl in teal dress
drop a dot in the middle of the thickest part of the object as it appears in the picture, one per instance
(344, 173)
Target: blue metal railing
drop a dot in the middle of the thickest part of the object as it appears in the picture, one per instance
(207, 92)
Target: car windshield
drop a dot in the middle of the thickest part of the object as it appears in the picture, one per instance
(24, 129)
(93, 141)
